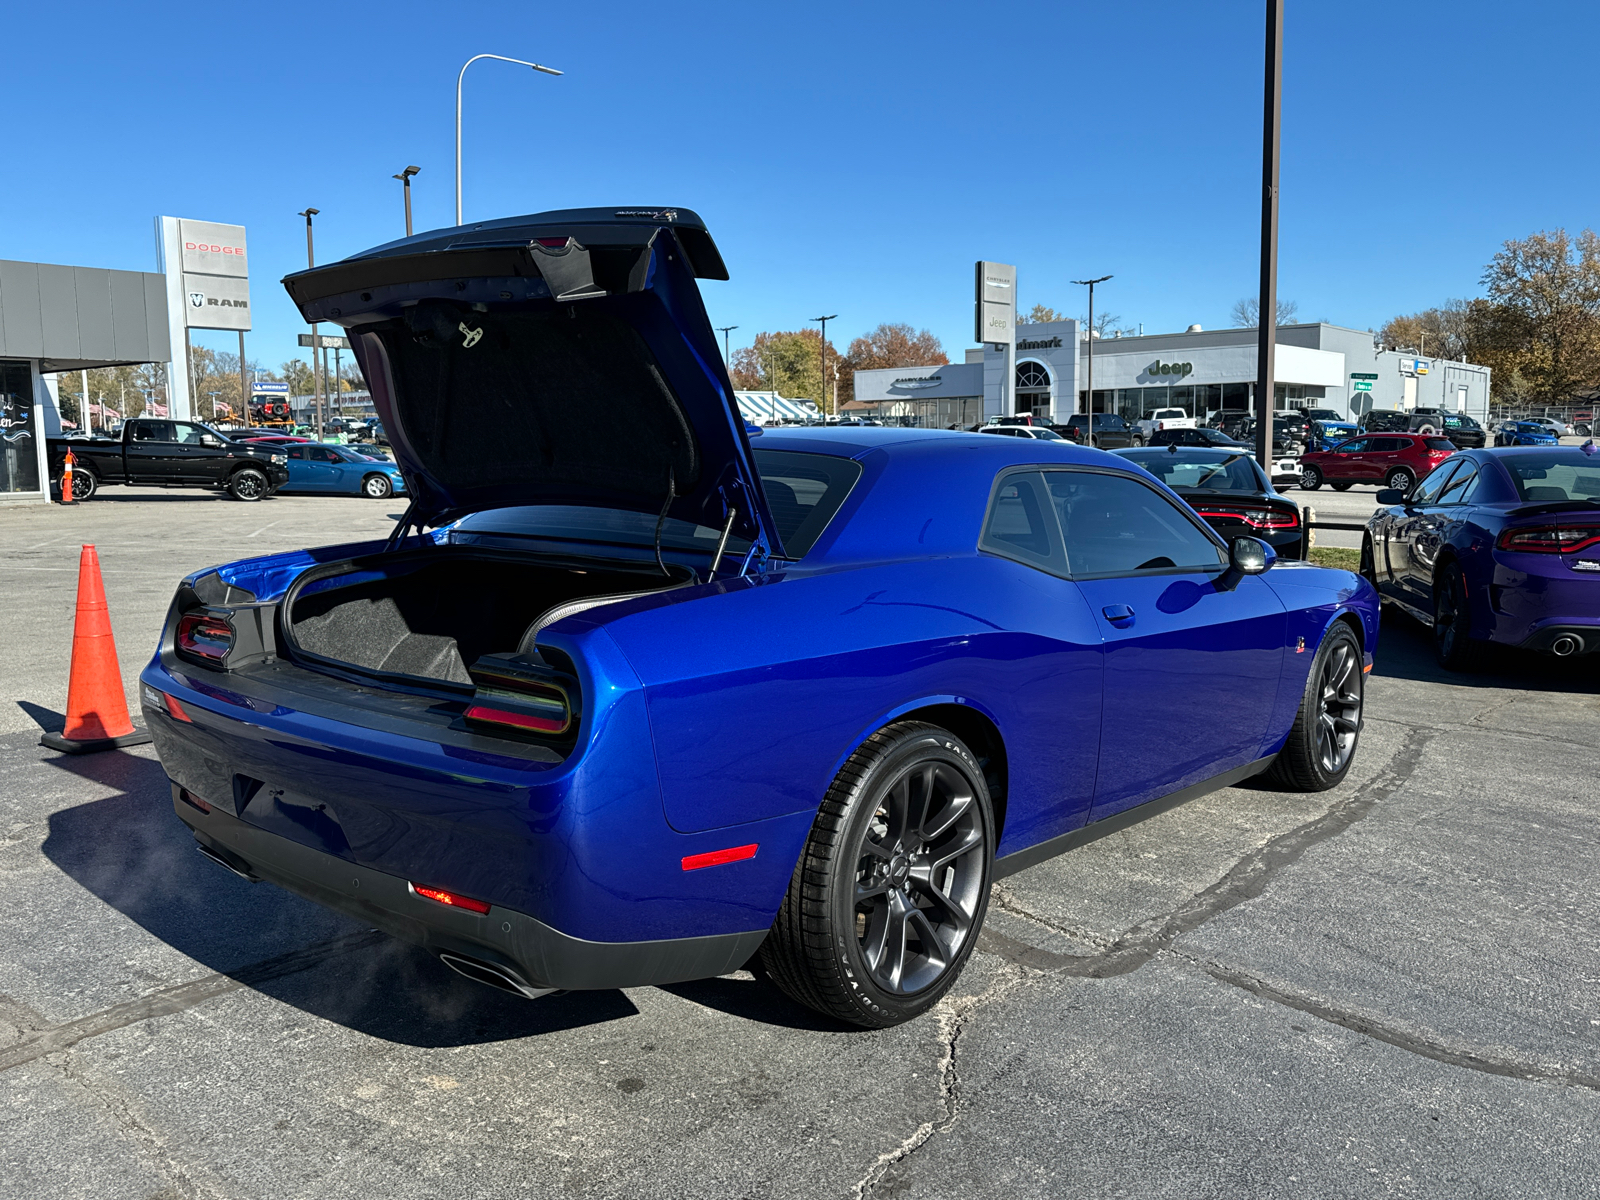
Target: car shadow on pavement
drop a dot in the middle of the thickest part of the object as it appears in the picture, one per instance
(132, 852)
(1405, 651)
(755, 999)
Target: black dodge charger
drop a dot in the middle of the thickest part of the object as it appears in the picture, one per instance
(1229, 491)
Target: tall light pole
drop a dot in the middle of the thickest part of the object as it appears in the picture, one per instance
(726, 357)
(316, 384)
(459, 78)
(1267, 311)
(1089, 392)
(405, 181)
(822, 352)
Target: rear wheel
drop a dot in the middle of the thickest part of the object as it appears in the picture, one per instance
(247, 483)
(1322, 743)
(376, 487)
(1310, 479)
(1401, 479)
(885, 905)
(1452, 620)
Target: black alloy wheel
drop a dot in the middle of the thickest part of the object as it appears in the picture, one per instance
(889, 895)
(376, 487)
(1452, 620)
(84, 484)
(1401, 479)
(1322, 743)
(247, 483)
(1310, 478)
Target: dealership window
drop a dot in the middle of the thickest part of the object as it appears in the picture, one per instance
(19, 451)
(1236, 395)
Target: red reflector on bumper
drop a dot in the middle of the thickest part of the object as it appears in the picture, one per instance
(716, 858)
(503, 716)
(175, 710)
(454, 901)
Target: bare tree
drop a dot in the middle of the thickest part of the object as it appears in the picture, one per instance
(1247, 312)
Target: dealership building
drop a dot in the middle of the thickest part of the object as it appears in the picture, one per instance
(1317, 366)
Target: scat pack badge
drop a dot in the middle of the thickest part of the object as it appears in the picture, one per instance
(469, 337)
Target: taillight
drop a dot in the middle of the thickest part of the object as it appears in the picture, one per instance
(1256, 518)
(451, 899)
(522, 693)
(1551, 539)
(205, 636)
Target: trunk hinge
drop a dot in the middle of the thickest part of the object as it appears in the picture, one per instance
(406, 521)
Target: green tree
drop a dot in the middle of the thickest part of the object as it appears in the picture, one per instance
(297, 374)
(1547, 286)
(788, 363)
(1040, 314)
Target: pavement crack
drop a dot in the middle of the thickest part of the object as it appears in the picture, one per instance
(1412, 1043)
(954, 1016)
(181, 996)
(1002, 898)
(1245, 880)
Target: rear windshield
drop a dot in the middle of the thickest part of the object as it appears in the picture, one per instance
(1206, 469)
(1439, 443)
(804, 491)
(1547, 477)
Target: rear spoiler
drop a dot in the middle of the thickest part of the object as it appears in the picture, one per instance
(1552, 507)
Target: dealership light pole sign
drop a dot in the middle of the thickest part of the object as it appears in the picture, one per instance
(208, 287)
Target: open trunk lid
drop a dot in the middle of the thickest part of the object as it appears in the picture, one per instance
(558, 358)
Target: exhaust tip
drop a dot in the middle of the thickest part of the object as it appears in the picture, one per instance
(238, 866)
(1566, 646)
(494, 975)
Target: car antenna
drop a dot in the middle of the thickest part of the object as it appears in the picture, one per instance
(672, 494)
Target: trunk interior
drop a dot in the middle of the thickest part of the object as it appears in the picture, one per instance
(431, 615)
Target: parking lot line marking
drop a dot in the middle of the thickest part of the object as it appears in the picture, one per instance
(264, 528)
(51, 542)
(181, 996)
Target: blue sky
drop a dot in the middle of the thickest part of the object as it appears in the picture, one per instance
(849, 158)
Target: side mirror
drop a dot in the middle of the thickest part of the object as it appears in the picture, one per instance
(1391, 496)
(207, 440)
(1246, 556)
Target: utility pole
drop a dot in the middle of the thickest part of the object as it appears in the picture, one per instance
(822, 354)
(244, 386)
(1089, 390)
(1267, 319)
(316, 384)
(727, 358)
(405, 179)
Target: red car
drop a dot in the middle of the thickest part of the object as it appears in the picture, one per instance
(1391, 460)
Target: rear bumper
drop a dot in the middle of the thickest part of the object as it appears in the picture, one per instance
(536, 954)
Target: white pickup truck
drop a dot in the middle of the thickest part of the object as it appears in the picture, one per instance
(1164, 418)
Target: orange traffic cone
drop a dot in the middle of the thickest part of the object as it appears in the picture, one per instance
(97, 712)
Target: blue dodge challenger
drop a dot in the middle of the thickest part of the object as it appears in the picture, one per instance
(632, 697)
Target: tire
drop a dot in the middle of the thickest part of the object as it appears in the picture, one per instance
(1452, 620)
(1327, 727)
(856, 891)
(1342, 487)
(84, 484)
(248, 484)
(377, 487)
(1310, 479)
(1138, 441)
(1402, 479)
(1428, 431)
(1369, 564)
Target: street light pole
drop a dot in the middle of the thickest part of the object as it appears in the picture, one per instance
(822, 353)
(726, 357)
(316, 384)
(459, 78)
(405, 181)
(1267, 310)
(1089, 391)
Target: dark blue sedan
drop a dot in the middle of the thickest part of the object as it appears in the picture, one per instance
(628, 700)
(315, 467)
(1496, 546)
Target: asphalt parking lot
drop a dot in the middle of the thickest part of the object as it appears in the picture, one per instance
(1392, 988)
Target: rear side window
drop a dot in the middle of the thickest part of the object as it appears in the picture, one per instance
(1436, 443)
(1115, 525)
(1021, 526)
(803, 493)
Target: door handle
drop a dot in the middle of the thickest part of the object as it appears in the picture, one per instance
(1118, 614)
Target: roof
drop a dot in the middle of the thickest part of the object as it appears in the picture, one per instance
(73, 318)
(855, 440)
